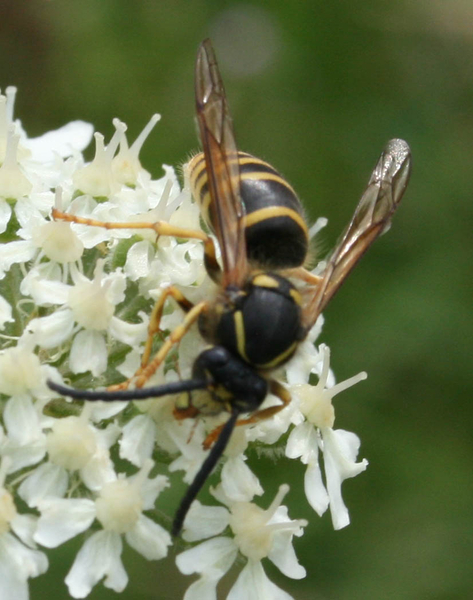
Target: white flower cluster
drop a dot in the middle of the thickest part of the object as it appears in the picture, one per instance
(74, 306)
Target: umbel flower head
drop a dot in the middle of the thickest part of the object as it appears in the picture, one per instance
(75, 304)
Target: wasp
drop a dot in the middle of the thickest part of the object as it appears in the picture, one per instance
(266, 301)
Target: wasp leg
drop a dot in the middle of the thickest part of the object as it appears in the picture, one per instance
(161, 228)
(303, 274)
(190, 412)
(260, 415)
(154, 329)
(174, 338)
(155, 319)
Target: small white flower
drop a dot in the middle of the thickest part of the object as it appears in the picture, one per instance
(25, 442)
(20, 370)
(7, 103)
(76, 445)
(93, 302)
(156, 424)
(339, 448)
(42, 238)
(58, 241)
(19, 558)
(119, 509)
(13, 183)
(96, 178)
(22, 378)
(126, 166)
(258, 534)
(72, 444)
(90, 306)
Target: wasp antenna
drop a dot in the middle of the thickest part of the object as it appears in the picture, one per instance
(205, 470)
(174, 387)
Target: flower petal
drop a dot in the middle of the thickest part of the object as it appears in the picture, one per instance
(62, 519)
(253, 584)
(340, 452)
(43, 285)
(302, 442)
(204, 521)
(239, 483)
(283, 555)
(72, 137)
(24, 456)
(98, 470)
(149, 539)
(15, 252)
(99, 557)
(22, 421)
(106, 410)
(138, 260)
(214, 557)
(138, 440)
(128, 333)
(47, 481)
(88, 353)
(53, 330)
(151, 488)
(12, 585)
(314, 488)
(24, 527)
(17, 564)
(205, 588)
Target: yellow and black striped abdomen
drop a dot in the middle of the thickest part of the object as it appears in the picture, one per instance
(276, 231)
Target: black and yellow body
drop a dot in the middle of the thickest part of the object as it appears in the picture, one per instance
(231, 382)
(275, 228)
(258, 317)
(260, 322)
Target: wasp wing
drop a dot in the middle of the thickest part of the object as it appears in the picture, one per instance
(372, 217)
(221, 159)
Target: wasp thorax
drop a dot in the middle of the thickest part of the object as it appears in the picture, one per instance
(261, 323)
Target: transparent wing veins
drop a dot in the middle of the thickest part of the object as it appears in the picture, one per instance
(371, 218)
(221, 157)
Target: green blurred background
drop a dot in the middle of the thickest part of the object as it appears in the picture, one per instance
(316, 88)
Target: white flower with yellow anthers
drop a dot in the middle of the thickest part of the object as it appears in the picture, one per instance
(13, 183)
(257, 534)
(26, 164)
(22, 380)
(118, 508)
(87, 315)
(73, 445)
(51, 246)
(19, 558)
(339, 447)
(117, 189)
(75, 304)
